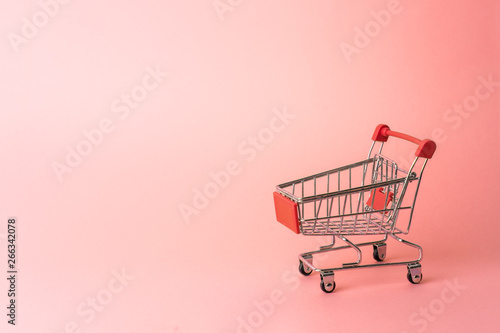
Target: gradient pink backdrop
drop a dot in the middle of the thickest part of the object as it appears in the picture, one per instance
(227, 72)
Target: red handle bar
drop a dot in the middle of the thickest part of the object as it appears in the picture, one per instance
(426, 148)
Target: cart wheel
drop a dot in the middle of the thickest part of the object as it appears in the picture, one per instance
(379, 251)
(415, 279)
(304, 270)
(327, 287)
(414, 273)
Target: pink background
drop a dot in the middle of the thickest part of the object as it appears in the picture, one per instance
(119, 208)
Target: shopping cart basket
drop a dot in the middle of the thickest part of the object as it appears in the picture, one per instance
(371, 197)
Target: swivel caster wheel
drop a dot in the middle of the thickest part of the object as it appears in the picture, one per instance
(414, 273)
(379, 251)
(304, 270)
(327, 282)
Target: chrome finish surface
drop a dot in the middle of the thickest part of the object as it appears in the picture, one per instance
(371, 197)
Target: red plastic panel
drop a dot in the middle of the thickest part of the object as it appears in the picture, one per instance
(286, 212)
(379, 201)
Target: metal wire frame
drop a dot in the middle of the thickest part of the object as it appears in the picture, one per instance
(359, 219)
(328, 204)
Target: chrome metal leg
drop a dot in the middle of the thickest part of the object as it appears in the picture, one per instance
(327, 281)
(329, 246)
(357, 250)
(401, 240)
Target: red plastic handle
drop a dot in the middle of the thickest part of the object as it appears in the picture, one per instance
(426, 148)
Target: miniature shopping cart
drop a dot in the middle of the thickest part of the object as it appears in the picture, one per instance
(371, 197)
